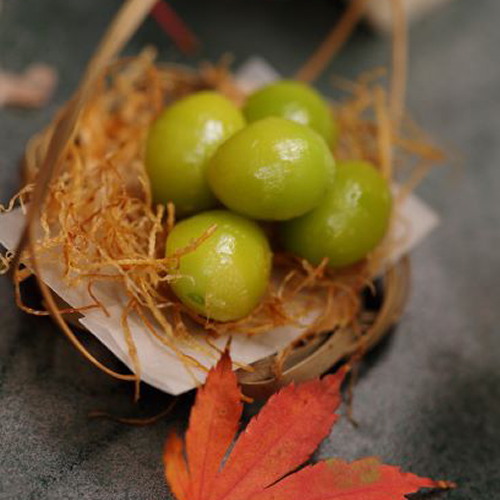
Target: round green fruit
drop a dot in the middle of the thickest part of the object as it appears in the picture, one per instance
(226, 276)
(295, 101)
(179, 145)
(273, 169)
(349, 223)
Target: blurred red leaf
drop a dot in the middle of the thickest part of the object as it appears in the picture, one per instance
(175, 27)
(176, 472)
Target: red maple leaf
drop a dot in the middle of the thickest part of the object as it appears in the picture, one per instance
(277, 441)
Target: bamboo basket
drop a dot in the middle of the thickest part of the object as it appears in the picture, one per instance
(311, 358)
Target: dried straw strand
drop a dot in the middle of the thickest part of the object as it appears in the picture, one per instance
(332, 44)
(399, 61)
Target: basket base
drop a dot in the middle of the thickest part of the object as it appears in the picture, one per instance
(325, 351)
(322, 353)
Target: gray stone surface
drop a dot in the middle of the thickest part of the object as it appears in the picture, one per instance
(428, 400)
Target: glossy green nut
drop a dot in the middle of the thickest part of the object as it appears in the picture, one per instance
(273, 169)
(227, 275)
(179, 145)
(295, 101)
(349, 223)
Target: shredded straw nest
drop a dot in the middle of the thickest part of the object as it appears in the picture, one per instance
(98, 217)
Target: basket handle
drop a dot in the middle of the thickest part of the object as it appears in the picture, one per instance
(121, 29)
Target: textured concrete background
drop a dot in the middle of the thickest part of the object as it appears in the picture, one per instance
(428, 400)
